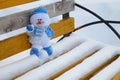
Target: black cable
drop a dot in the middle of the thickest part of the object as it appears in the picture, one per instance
(101, 19)
(65, 35)
(96, 22)
(86, 25)
(92, 23)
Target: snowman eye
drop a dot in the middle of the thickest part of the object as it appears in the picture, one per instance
(39, 19)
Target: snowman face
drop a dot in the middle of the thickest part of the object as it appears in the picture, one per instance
(40, 19)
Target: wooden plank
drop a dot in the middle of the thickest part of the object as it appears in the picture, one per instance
(63, 27)
(96, 70)
(16, 44)
(10, 3)
(70, 67)
(116, 77)
(21, 19)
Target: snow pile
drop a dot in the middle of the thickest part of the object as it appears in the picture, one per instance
(89, 64)
(108, 72)
(62, 62)
(80, 48)
(10, 71)
(19, 67)
(28, 6)
(14, 58)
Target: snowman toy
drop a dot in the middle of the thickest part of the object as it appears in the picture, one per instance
(39, 32)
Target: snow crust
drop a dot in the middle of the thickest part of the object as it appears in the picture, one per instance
(108, 72)
(60, 63)
(89, 64)
(9, 71)
(20, 8)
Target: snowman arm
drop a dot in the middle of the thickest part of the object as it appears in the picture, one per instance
(30, 30)
(49, 31)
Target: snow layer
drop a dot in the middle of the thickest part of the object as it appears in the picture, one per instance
(16, 9)
(108, 72)
(67, 44)
(14, 58)
(14, 69)
(89, 64)
(60, 63)
(10, 71)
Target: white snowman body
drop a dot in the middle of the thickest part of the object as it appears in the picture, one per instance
(39, 32)
(40, 38)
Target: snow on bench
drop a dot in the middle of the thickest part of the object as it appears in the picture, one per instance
(12, 70)
(110, 70)
(83, 57)
(55, 66)
(89, 64)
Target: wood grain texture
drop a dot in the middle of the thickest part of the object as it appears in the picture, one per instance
(10, 3)
(20, 42)
(116, 77)
(21, 19)
(63, 27)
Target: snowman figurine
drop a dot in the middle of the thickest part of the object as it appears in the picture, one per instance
(39, 32)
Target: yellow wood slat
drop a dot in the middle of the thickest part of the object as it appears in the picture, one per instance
(63, 27)
(70, 67)
(116, 77)
(20, 42)
(10, 3)
(97, 69)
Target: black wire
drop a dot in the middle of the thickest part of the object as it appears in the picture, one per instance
(96, 22)
(101, 19)
(86, 25)
(92, 23)
(65, 35)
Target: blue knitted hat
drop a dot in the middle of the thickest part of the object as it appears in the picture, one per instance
(39, 10)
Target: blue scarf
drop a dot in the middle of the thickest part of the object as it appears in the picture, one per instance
(38, 31)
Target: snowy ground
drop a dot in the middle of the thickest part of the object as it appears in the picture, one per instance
(109, 10)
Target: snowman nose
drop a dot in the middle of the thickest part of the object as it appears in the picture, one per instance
(39, 21)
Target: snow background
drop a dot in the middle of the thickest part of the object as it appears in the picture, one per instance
(109, 10)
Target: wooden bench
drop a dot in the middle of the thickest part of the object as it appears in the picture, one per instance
(14, 21)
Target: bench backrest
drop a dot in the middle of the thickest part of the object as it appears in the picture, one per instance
(20, 18)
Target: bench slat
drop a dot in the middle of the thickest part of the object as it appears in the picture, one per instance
(10, 3)
(116, 77)
(17, 20)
